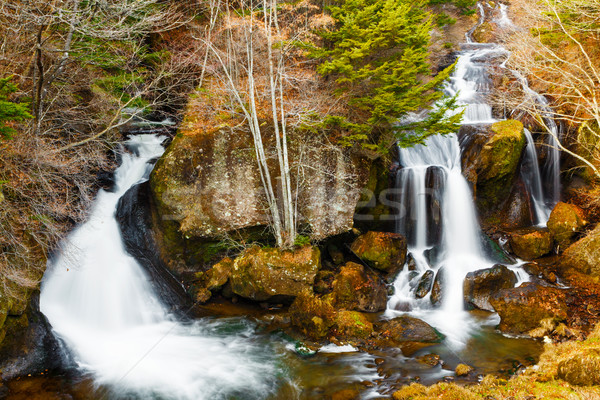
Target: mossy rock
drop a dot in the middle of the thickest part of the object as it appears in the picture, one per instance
(498, 163)
(521, 309)
(312, 315)
(352, 325)
(381, 250)
(582, 369)
(408, 329)
(264, 273)
(583, 255)
(484, 33)
(565, 221)
(531, 243)
(479, 285)
(212, 280)
(357, 288)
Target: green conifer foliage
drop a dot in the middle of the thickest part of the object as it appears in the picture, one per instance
(378, 53)
(10, 111)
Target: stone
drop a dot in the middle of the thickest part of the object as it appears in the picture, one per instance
(261, 274)
(429, 359)
(381, 250)
(425, 284)
(583, 255)
(463, 370)
(497, 163)
(312, 315)
(409, 329)
(212, 280)
(324, 282)
(357, 288)
(531, 243)
(565, 221)
(522, 309)
(352, 325)
(583, 369)
(479, 285)
(437, 291)
(337, 256)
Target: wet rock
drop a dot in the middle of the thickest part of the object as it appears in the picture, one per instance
(583, 255)
(357, 288)
(565, 221)
(411, 264)
(429, 359)
(212, 280)
(408, 329)
(498, 162)
(324, 282)
(479, 285)
(531, 243)
(381, 250)
(336, 254)
(266, 273)
(583, 369)
(312, 315)
(521, 309)
(463, 370)
(437, 291)
(346, 394)
(352, 325)
(425, 284)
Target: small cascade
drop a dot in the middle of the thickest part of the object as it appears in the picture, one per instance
(101, 303)
(530, 173)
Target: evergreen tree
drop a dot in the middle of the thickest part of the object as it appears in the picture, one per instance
(10, 111)
(378, 53)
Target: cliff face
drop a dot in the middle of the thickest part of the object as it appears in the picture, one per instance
(208, 186)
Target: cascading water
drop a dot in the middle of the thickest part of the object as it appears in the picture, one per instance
(440, 219)
(530, 172)
(100, 302)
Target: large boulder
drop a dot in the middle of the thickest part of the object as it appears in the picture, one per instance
(531, 243)
(497, 163)
(264, 273)
(479, 285)
(357, 288)
(207, 184)
(408, 329)
(583, 369)
(312, 315)
(565, 221)
(382, 250)
(521, 309)
(583, 255)
(352, 325)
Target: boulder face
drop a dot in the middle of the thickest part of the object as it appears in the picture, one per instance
(312, 315)
(565, 221)
(583, 255)
(521, 309)
(381, 250)
(497, 164)
(409, 329)
(207, 184)
(479, 285)
(352, 324)
(531, 243)
(357, 288)
(263, 273)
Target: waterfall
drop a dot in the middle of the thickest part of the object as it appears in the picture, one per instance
(100, 302)
(530, 173)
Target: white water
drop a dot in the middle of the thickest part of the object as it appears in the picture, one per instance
(459, 247)
(101, 303)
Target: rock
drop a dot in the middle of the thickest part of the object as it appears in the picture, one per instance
(521, 309)
(583, 255)
(313, 316)
(425, 284)
(352, 325)
(429, 359)
(381, 250)
(582, 369)
(463, 370)
(437, 291)
(212, 280)
(408, 329)
(324, 282)
(357, 288)
(207, 183)
(565, 221)
(411, 264)
(265, 273)
(479, 285)
(498, 162)
(346, 394)
(531, 243)
(336, 254)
